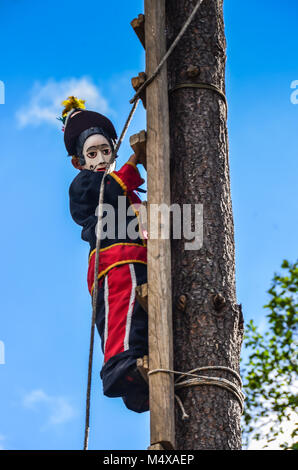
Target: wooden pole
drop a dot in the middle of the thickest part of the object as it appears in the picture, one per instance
(159, 251)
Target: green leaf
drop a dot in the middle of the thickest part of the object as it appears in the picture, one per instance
(271, 361)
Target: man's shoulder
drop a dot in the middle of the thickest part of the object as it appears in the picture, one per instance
(84, 179)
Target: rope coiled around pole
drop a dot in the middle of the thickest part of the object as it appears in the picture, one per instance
(197, 380)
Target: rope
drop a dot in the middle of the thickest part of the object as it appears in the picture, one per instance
(169, 52)
(133, 101)
(197, 380)
(204, 86)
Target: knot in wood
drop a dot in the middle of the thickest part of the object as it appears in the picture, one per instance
(192, 71)
(219, 302)
(181, 303)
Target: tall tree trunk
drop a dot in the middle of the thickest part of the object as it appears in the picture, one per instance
(206, 332)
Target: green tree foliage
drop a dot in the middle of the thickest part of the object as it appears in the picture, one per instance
(270, 374)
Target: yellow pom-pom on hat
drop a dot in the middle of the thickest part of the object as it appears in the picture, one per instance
(72, 103)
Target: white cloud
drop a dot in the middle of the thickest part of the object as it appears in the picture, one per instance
(287, 428)
(45, 103)
(59, 409)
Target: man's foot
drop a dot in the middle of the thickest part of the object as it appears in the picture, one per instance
(137, 398)
(137, 402)
(134, 376)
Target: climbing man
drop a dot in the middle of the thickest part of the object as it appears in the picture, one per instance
(122, 323)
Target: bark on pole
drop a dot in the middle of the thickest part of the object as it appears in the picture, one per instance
(209, 330)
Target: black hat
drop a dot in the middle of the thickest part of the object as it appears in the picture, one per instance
(82, 121)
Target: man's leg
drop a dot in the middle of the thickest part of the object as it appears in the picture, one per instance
(123, 327)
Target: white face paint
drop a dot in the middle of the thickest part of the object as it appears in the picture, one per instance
(97, 152)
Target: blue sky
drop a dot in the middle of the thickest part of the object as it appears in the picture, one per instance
(47, 50)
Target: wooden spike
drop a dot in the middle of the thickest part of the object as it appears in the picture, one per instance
(156, 447)
(143, 366)
(138, 144)
(164, 445)
(137, 82)
(160, 334)
(142, 296)
(138, 25)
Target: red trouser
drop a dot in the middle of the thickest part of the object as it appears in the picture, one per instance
(121, 323)
(119, 298)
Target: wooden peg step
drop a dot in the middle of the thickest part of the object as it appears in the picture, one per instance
(137, 82)
(143, 367)
(157, 446)
(138, 25)
(142, 296)
(138, 144)
(161, 446)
